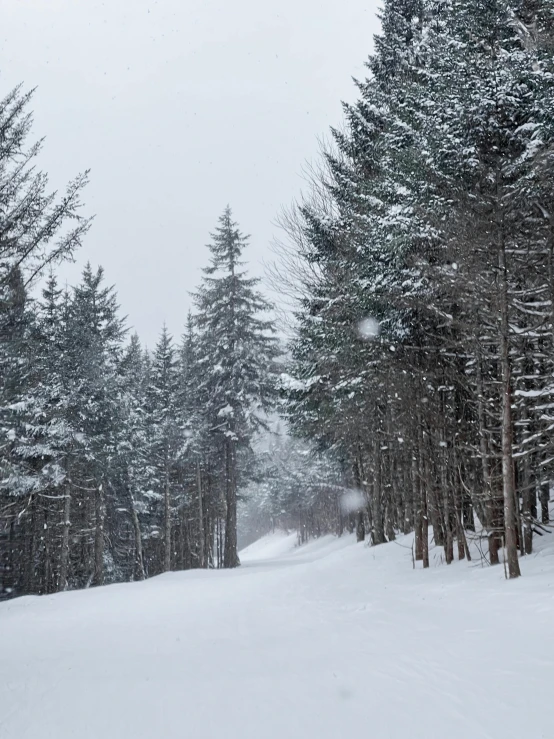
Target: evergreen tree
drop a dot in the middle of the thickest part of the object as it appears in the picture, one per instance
(95, 334)
(237, 362)
(163, 429)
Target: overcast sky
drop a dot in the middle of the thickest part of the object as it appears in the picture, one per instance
(179, 107)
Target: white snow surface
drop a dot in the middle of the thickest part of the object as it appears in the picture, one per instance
(325, 641)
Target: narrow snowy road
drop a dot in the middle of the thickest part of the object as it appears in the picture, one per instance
(333, 640)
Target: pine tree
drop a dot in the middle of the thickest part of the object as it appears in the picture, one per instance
(237, 362)
(95, 334)
(133, 447)
(164, 432)
(194, 451)
(36, 228)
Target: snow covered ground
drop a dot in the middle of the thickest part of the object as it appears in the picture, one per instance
(327, 641)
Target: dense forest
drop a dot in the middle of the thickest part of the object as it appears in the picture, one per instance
(117, 463)
(423, 353)
(419, 375)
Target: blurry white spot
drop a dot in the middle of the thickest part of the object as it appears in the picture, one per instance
(369, 329)
(352, 501)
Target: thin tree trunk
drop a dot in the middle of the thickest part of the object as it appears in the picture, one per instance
(99, 537)
(490, 506)
(528, 485)
(140, 573)
(418, 508)
(425, 508)
(545, 499)
(64, 550)
(201, 535)
(378, 533)
(48, 568)
(230, 555)
(360, 522)
(508, 476)
(167, 523)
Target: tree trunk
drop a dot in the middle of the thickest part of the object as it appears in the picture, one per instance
(490, 506)
(167, 523)
(140, 573)
(99, 537)
(528, 485)
(508, 476)
(425, 514)
(230, 554)
(418, 509)
(64, 549)
(545, 499)
(201, 535)
(378, 532)
(360, 527)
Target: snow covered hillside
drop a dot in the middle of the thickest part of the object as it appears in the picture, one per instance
(327, 641)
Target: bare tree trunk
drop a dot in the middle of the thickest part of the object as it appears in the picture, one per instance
(378, 532)
(167, 522)
(360, 527)
(487, 482)
(508, 476)
(418, 508)
(140, 573)
(99, 537)
(30, 544)
(64, 550)
(528, 485)
(408, 523)
(447, 497)
(230, 555)
(425, 512)
(545, 499)
(201, 535)
(358, 478)
(48, 564)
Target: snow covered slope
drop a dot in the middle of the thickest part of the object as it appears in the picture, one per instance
(273, 545)
(327, 641)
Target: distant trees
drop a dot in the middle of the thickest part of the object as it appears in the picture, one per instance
(297, 489)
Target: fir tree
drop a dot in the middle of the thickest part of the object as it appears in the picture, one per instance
(163, 429)
(237, 362)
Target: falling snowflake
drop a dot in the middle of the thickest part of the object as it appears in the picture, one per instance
(369, 329)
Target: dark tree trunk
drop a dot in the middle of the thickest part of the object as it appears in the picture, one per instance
(201, 536)
(64, 548)
(98, 577)
(508, 476)
(230, 555)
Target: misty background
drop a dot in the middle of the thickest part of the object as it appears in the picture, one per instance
(179, 108)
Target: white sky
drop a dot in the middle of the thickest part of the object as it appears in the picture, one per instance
(179, 107)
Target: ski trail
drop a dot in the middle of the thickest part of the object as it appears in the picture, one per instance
(329, 640)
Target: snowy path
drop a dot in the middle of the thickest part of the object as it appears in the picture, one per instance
(330, 641)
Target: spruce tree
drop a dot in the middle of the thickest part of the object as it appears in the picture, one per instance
(164, 434)
(237, 363)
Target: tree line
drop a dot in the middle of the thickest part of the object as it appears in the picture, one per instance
(423, 354)
(116, 463)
